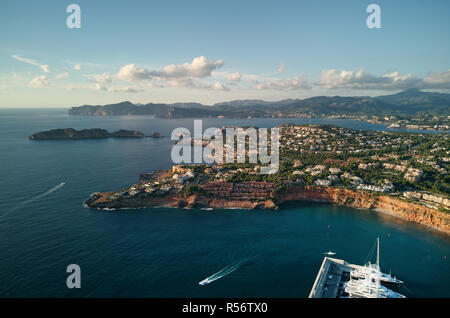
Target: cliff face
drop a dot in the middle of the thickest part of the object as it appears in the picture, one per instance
(339, 196)
(195, 201)
(416, 213)
(357, 199)
(103, 201)
(344, 197)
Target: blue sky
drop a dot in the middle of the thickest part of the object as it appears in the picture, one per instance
(212, 51)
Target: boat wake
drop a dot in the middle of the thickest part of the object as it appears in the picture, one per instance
(223, 272)
(55, 188)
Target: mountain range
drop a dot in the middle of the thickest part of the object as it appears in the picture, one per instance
(408, 102)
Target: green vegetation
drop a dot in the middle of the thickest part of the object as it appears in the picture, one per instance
(191, 190)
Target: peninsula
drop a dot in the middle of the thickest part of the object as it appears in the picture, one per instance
(404, 174)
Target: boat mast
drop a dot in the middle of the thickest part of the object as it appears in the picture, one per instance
(378, 252)
(378, 267)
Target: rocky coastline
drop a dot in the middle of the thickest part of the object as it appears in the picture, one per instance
(409, 211)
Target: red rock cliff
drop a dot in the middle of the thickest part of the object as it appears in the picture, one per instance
(413, 212)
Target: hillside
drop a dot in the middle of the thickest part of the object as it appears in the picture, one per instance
(409, 102)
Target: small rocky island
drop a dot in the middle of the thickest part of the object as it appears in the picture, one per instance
(93, 133)
(156, 135)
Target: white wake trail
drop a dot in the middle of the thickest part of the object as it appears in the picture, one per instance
(55, 188)
(223, 272)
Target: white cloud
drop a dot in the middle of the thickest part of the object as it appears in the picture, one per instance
(234, 77)
(102, 88)
(39, 81)
(62, 75)
(295, 83)
(219, 87)
(98, 87)
(177, 75)
(190, 83)
(200, 67)
(438, 80)
(25, 60)
(363, 80)
(43, 67)
(282, 68)
(389, 81)
(100, 78)
(131, 73)
(77, 65)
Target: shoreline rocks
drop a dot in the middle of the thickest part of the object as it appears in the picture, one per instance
(412, 212)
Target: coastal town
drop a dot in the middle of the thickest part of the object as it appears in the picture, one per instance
(368, 160)
(427, 122)
(407, 167)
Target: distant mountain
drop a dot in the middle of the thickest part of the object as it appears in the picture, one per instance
(248, 102)
(417, 101)
(188, 105)
(337, 105)
(410, 102)
(415, 96)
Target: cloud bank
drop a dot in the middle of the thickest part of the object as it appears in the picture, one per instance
(201, 73)
(199, 67)
(295, 83)
(132, 73)
(361, 79)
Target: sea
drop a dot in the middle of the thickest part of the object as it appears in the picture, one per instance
(163, 252)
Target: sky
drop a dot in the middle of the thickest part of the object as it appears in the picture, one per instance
(215, 51)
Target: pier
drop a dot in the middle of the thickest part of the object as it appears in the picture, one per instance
(329, 283)
(339, 279)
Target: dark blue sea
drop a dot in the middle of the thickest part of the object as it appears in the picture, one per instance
(167, 252)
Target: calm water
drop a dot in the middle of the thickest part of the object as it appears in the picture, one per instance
(166, 252)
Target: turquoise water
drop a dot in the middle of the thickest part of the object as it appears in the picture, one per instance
(167, 252)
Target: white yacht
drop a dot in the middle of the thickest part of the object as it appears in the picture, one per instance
(360, 273)
(365, 281)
